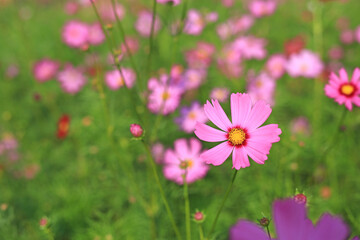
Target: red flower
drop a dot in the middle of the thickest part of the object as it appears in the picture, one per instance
(63, 126)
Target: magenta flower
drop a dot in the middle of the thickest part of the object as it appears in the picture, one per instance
(72, 79)
(185, 160)
(251, 47)
(260, 8)
(275, 66)
(292, 223)
(114, 80)
(45, 69)
(201, 56)
(164, 97)
(195, 23)
(75, 34)
(220, 94)
(306, 64)
(243, 136)
(143, 23)
(174, 2)
(357, 34)
(262, 87)
(343, 91)
(96, 35)
(189, 116)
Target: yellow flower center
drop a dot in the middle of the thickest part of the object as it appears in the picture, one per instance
(192, 115)
(165, 95)
(236, 136)
(347, 89)
(186, 164)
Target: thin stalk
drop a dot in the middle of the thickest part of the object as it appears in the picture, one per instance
(162, 193)
(151, 37)
(187, 208)
(222, 204)
(268, 232)
(201, 232)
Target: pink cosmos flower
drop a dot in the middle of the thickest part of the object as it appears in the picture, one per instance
(300, 126)
(260, 8)
(143, 23)
(71, 7)
(114, 80)
(72, 79)
(251, 47)
(220, 94)
(173, 2)
(194, 23)
(347, 36)
(227, 3)
(184, 160)
(193, 78)
(243, 136)
(132, 43)
(107, 13)
(343, 91)
(75, 34)
(292, 223)
(189, 116)
(45, 69)
(275, 65)
(229, 61)
(164, 97)
(212, 17)
(200, 57)
(262, 87)
(306, 64)
(96, 35)
(12, 71)
(336, 53)
(158, 152)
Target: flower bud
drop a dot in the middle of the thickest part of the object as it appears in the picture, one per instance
(199, 216)
(264, 222)
(136, 130)
(43, 222)
(300, 198)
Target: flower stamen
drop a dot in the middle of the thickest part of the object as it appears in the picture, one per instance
(236, 136)
(347, 89)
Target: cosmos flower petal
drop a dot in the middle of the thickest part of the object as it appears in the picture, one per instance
(291, 220)
(240, 108)
(240, 158)
(258, 115)
(213, 116)
(356, 75)
(268, 133)
(222, 115)
(218, 154)
(209, 134)
(181, 148)
(343, 75)
(170, 157)
(255, 155)
(330, 227)
(348, 105)
(245, 230)
(195, 146)
(261, 146)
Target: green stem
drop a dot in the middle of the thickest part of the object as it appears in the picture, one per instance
(268, 232)
(222, 204)
(201, 232)
(162, 193)
(151, 37)
(187, 208)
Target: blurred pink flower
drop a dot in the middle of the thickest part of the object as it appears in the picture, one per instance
(71, 7)
(300, 125)
(174, 2)
(342, 91)
(227, 3)
(201, 56)
(107, 13)
(158, 151)
(114, 80)
(193, 78)
(261, 8)
(144, 21)
(96, 35)
(347, 36)
(194, 23)
(164, 98)
(189, 116)
(229, 61)
(45, 69)
(72, 79)
(185, 161)
(220, 94)
(275, 65)
(132, 43)
(12, 71)
(262, 87)
(336, 53)
(212, 17)
(251, 47)
(75, 34)
(306, 64)
(242, 137)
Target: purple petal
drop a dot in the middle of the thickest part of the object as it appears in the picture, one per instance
(245, 230)
(330, 228)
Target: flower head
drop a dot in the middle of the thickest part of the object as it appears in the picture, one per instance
(291, 222)
(343, 91)
(72, 79)
(243, 136)
(190, 116)
(63, 126)
(75, 34)
(144, 21)
(45, 69)
(136, 130)
(114, 80)
(305, 63)
(185, 161)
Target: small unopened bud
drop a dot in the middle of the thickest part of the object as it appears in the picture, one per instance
(43, 222)
(300, 198)
(264, 222)
(199, 216)
(136, 130)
